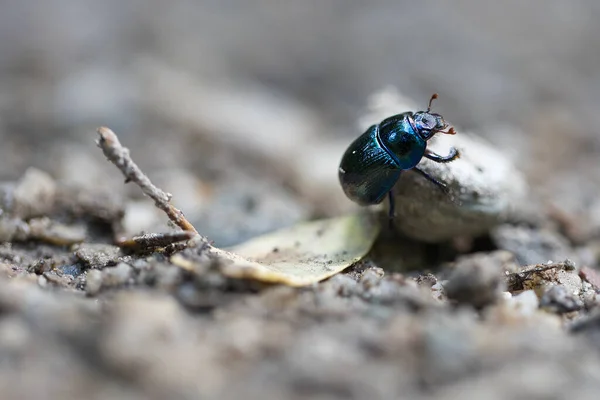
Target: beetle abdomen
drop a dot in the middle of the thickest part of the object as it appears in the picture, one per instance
(367, 171)
(402, 141)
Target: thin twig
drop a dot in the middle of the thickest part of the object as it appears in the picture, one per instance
(151, 241)
(119, 156)
(515, 280)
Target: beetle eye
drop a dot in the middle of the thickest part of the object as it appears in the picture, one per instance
(427, 122)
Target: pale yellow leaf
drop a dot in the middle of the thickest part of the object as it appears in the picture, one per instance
(305, 253)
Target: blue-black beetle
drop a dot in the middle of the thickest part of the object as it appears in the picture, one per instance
(373, 162)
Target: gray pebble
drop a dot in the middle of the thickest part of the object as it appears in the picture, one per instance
(589, 325)
(370, 278)
(559, 300)
(477, 280)
(427, 280)
(34, 194)
(485, 187)
(93, 282)
(525, 303)
(484, 190)
(116, 276)
(98, 255)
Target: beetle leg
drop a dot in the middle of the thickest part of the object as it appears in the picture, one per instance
(454, 154)
(392, 209)
(431, 179)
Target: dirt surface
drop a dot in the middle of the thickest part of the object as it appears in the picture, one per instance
(82, 317)
(246, 128)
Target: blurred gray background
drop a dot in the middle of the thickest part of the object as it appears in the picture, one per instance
(238, 107)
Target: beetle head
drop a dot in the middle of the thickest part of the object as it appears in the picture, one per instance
(428, 124)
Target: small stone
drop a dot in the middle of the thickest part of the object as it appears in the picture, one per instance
(34, 194)
(477, 280)
(116, 276)
(58, 280)
(98, 255)
(93, 282)
(427, 280)
(589, 326)
(571, 281)
(42, 281)
(525, 302)
(559, 300)
(437, 290)
(591, 275)
(370, 278)
(590, 298)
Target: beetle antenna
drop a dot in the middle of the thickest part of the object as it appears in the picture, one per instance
(433, 97)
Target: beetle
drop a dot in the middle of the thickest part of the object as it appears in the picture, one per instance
(372, 164)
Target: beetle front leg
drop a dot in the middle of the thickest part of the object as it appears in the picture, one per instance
(454, 154)
(431, 179)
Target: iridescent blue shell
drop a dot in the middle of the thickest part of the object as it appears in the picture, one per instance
(373, 162)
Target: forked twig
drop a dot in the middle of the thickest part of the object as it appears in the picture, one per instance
(119, 156)
(151, 241)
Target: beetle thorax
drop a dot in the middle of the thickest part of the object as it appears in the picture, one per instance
(399, 138)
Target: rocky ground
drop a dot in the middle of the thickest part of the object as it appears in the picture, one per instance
(82, 317)
(492, 292)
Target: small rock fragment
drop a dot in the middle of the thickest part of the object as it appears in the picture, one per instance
(42, 281)
(437, 290)
(519, 308)
(559, 300)
(370, 278)
(591, 275)
(525, 302)
(34, 195)
(477, 280)
(589, 296)
(590, 327)
(116, 276)
(571, 281)
(98, 256)
(427, 280)
(93, 282)
(58, 279)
